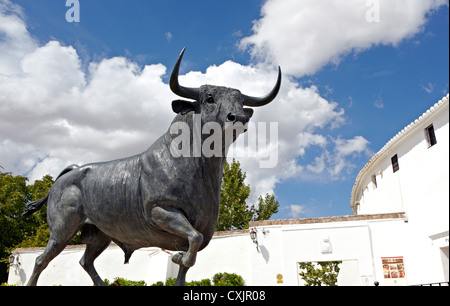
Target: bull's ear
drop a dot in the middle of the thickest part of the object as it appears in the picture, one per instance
(248, 112)
(183, 107)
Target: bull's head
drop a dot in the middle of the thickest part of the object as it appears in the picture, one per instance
(219, 105)
(215, 103)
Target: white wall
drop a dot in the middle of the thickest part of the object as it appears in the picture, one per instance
(351, 242)
(229, 253)
(386, 197)
(359, 243)
(420, 187)
(148, 264)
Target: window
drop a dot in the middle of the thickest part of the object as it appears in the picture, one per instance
(395, 165)
(374, 181)
(430, 136)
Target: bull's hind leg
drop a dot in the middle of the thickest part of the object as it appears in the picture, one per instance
(64, 221)
(174, 221)
(56, 244)
(96, 243)
(54, 247)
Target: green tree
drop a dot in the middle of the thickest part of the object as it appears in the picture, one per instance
(323, 273)
(219, 279)
(234, 212)
(41, 233)
(267, 207)
(38, 190)
(15, 231)
(120, 281)
(228, 279)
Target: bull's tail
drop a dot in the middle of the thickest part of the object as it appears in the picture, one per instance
(33, 207)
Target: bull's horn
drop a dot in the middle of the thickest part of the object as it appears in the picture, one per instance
(255, 102)
(185, 92)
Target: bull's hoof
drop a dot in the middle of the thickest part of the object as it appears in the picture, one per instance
(188, 261)
(178, 258)
(184, 259)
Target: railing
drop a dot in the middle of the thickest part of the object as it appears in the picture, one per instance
(434, 284)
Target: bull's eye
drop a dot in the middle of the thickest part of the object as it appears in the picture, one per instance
(210, 99)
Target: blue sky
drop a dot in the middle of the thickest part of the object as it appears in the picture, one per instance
(349, 84)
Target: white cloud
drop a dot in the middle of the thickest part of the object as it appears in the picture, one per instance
(15, 40)
(318, 166)
(117, 113)
(295, 211)
(339, 162)
(298, 111)
(53, 114)
(379, 103)
(429, 88)
(57, 114)
(346, 147)
(169, 36)
(304, 35)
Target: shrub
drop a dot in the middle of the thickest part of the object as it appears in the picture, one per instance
(119, 281)
(169, 282)
(158, 284)
(203, 283)
(219, 279)
(321, 273)
(227, 279)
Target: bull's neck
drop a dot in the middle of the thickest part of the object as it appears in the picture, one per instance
(186, 130)
(184, 137)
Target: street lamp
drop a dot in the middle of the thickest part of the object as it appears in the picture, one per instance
(11, 259)
(254, 237)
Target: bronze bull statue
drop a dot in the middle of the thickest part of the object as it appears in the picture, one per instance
(148, 200)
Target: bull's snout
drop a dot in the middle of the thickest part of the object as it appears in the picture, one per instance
(238, 118)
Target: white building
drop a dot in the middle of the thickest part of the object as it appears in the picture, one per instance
(411, 174)
(398, 235)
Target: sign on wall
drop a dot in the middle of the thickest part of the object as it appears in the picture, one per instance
(394, 271)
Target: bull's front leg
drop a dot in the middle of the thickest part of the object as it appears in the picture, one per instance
(174, 221)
